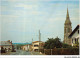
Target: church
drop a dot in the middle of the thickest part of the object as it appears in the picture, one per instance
(69, 35)
(67, 29)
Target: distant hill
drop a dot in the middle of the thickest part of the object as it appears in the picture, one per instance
(21, 43)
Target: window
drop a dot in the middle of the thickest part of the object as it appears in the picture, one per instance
(36, 50)
(35, 45)
(8, 48)
(72, 40)
(78, 31)
(75, 40)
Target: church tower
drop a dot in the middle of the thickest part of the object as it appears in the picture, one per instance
(67, 29)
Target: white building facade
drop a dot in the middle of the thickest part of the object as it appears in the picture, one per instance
(75, 35)
(36, 45)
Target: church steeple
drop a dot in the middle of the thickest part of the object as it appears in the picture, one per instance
(67, 18)
(67, 29)
(67, 13)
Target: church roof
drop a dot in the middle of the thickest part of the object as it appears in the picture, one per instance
(67, 18)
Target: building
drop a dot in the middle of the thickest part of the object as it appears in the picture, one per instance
(67, 29)
(7, 45)
(75, 35)
(0, 48)
(27, 47)
(37, 45)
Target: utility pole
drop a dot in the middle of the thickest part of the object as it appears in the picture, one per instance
(32, 43)
(39, 36)
(32, 39)
(39, 39)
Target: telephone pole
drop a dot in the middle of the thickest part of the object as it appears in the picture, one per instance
(39, 36)
(32, 44)
(32, 39)
(39, 39)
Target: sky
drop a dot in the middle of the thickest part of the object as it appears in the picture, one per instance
(21, 20)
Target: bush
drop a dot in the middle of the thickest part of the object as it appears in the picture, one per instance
(66, 45)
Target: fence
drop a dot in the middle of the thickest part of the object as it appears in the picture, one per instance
(61, 51)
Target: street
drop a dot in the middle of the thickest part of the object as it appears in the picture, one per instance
(21, 52)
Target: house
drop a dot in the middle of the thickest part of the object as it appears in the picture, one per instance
(0, 48)
(7, 45)
(30, 47)
(26, 47)
(75, 35)
(37, 45)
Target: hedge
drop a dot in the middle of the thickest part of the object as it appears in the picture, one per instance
(61, 51)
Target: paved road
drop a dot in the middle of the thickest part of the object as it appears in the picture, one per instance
(36, 53)
(21, 52)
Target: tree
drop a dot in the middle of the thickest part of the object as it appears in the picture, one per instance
(52, 43)
(66, 45)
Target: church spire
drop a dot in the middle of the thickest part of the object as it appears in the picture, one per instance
(67, 18)
(67, 13)
(67, 29)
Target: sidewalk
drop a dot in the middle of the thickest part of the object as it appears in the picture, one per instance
(36, 53)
